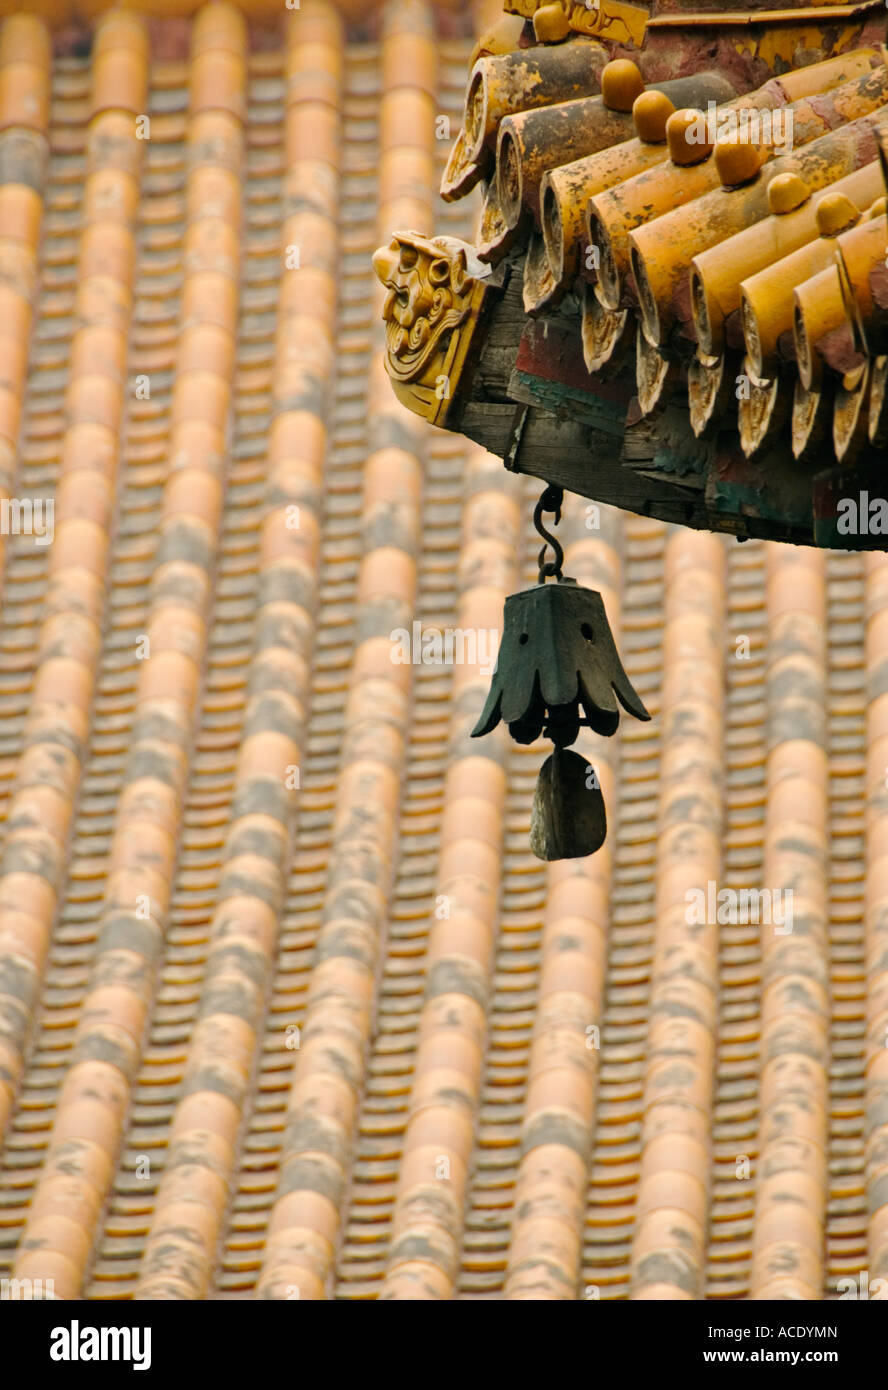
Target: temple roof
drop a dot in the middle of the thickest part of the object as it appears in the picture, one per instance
(685, 244)
(287, 1005)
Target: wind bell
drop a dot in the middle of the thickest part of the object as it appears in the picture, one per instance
(557, 655)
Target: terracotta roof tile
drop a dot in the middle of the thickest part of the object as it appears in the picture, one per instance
(63, 686)
(787, 1246)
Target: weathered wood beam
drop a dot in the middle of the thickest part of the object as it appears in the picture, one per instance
(532, 402)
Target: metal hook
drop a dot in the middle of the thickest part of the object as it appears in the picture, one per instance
(550, 501)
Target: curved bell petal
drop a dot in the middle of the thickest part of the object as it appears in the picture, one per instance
(527, 724)
(603, 720)
(520, 685)
(579, 647)
(490, 715)
(596, 689)
(607, 662)
(628, 696)
(534, 646)
(560, 642)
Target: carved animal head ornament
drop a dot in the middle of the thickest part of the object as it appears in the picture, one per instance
(429, 295)
(435, 290)
(558, 670)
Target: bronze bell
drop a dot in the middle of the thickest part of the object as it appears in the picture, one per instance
(558, 669)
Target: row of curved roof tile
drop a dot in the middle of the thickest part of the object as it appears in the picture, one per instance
(733, 234)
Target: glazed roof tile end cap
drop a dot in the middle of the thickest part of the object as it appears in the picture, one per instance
(835, 214)
(787, 192)
(621, 84)
(738, 160)
(551, 24)
(687, 143)
(651, 112)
